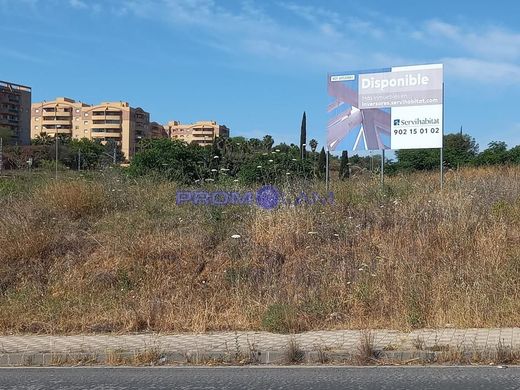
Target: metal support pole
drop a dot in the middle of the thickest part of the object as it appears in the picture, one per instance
(442, 144)
(327, 171)
(1, 154)
(115, 156)
(56, 164)
(382, 167)
(79, 159)
(442, 169)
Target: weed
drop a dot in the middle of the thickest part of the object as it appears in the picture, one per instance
(367, 354)
(99, 252)
(279, 318)
(294, 353)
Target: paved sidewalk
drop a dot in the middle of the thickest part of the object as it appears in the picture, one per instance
(27, 349)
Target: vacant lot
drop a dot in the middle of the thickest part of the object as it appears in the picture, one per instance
(104, 253)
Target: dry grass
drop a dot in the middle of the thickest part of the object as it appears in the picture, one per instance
(105, 254)
(366, 353)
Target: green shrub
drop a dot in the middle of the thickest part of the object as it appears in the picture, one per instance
(280, 318)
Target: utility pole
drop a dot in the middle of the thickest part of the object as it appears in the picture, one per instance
(79, 159)
(56, 139)
(115, 155)
(56, 165)
(327, 177)
(382, 167)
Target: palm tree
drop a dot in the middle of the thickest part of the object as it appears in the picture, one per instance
(43, 139)
(313, 144)
(268, 142)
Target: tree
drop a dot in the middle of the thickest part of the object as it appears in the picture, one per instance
(496, 153)
(275, 169)
(268, 142)
(43, 139)
(107, 158)
(344, 169)
(85, 154)
(514, 155)
(282, 148)
(173, 159)
(459, 149)
(255, 145)
(322, 163)
(313, 144)
(6, 134)
(303, 135)
(417, 159)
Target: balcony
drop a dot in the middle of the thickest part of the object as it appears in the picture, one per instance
(99, 134)
(55, 121)
(63, 113)
(59, 131)
(112, 126)
(114, 114)
(203, 131)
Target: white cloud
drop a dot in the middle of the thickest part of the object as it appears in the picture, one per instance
(78, 4)
(482, 71)
(492, 42)
(20, 55)
(318, 37)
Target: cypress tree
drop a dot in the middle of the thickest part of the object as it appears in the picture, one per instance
(303, 135)
(344, 171)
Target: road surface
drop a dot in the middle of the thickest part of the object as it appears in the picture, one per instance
(198, 378)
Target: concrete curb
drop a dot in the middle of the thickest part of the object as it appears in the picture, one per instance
(145, 358)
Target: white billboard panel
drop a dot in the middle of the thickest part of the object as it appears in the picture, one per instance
(394, 108)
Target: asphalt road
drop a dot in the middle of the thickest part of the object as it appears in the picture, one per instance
(188, 378)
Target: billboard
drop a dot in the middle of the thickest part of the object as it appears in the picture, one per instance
(392, 108)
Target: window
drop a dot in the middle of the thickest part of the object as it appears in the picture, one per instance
(86, 114)
(85, 122)
(36, 127)
(37, 119)
(77, 127)
(77, 109)
(77, 119)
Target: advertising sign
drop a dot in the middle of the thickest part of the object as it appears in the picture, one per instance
(393, 108)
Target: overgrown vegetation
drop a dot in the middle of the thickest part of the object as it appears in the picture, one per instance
(107, 252)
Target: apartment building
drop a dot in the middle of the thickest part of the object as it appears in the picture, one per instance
(15, 112)
(202, 132)
(158, 130)
(119, 122)
(61, 116)
(108, 121)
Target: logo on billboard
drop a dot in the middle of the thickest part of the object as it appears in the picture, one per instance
(397, 122)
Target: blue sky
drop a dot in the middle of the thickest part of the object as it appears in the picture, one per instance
(257, 65)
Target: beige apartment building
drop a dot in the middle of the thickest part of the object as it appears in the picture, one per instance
(108, 121)
(202, 132)
(15, 112)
